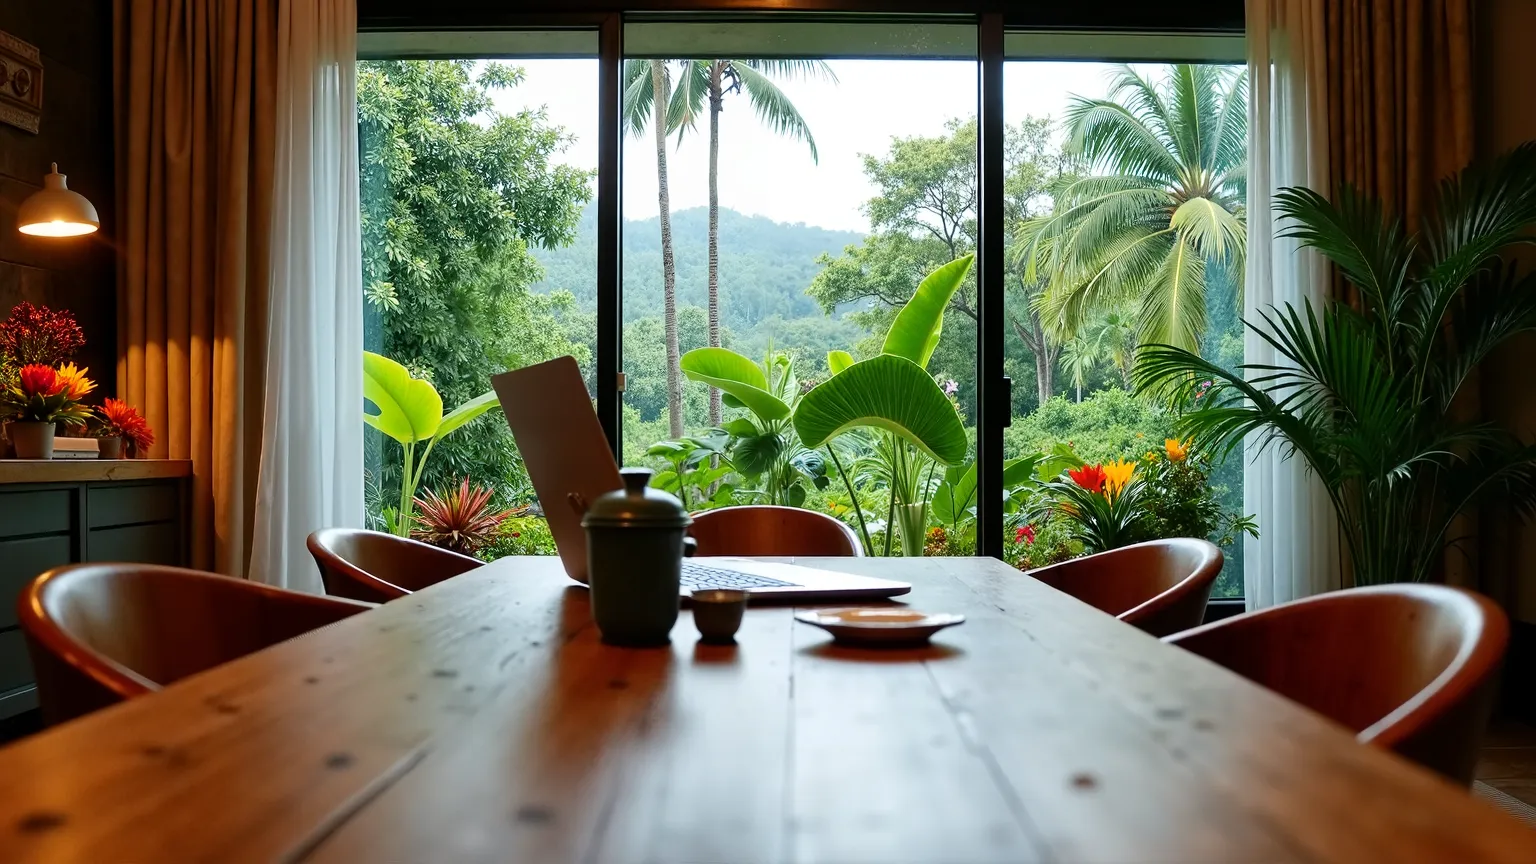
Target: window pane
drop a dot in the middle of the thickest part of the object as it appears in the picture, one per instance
(1101, 157)
(477, 181)
(835, 186)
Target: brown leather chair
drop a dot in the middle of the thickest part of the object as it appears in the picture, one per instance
(1412, 668)
(377, 567)
(763, 529)
(1160, 586)
(103, 633)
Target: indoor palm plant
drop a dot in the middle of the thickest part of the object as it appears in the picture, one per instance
(1365, 394)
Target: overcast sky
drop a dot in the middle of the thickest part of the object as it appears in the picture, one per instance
(761, 173)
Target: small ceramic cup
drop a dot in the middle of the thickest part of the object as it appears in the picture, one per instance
(717, 613)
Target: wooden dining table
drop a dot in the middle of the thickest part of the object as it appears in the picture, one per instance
(482, 719)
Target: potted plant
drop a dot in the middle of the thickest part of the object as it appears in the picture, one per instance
(122, 430)
(40, 398)
(1365, 395)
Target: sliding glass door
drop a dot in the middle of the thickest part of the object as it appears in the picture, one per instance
(779, 215)
(1125, 164)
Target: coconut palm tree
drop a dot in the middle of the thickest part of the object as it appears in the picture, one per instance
(1162, 195)
(708, 82)
(1110, 339)
(648, 102)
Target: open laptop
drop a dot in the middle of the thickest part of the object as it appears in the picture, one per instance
(570, 464)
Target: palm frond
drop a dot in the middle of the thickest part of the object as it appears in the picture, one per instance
(1369, 247)
(1220, 235)
(690, 97)
(774, 108)
(1106, 133)
(1173, 311)
(639, 93)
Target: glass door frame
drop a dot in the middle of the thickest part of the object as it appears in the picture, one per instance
(992, 22)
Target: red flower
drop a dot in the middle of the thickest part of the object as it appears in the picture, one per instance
(39, 380)
(1090, 477)
(37, 334)
(1028, 533)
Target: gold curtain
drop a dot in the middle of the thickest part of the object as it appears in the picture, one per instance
(1399, 97)
(1400, 106)
(194, 83)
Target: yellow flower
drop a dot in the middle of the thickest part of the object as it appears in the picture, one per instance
(1117, 475)
(1176, 449)
(74, 381)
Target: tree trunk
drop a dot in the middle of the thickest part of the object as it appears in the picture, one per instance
(1044, 352)
(715, 97)
(668, 267)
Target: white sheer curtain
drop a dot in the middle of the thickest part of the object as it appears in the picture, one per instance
(312, 454)
(1297, 553)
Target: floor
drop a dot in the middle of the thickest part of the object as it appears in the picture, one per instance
(1508, 762)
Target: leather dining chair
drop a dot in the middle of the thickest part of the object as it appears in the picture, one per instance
(767, 530)
(378, 567)
(1411, 668)
(1161, 586)
(100, 634)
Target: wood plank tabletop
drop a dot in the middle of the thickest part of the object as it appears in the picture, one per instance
(482, 720)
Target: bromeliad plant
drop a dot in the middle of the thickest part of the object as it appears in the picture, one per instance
(1101, 505)
(411, 413)
(461, 520)
(1364, 394)
(42, 394)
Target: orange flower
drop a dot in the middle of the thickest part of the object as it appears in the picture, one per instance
(35, 379)
(74, 381)
(1177, 450)
(1117, 475)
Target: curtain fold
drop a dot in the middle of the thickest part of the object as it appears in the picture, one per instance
(1400, 120)
(1297, 552)
(195, 140)
(239, 283)
(311, 472)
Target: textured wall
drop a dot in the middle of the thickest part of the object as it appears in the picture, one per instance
(75, 38)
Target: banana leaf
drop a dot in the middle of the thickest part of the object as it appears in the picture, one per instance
(915, 332)
(409, 408)
(888, 392)
(736, 376)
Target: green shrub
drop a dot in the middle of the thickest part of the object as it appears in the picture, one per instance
(1108, 425)
(520, 535)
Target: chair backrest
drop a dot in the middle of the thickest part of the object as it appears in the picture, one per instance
(762, 529)
(1160, 586)
(102, 633)
(377, 567)
(1411, 668)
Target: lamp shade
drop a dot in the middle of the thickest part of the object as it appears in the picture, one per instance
(54, 211)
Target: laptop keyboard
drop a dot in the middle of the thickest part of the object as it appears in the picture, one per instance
(698, 576)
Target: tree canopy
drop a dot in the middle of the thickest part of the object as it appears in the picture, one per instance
(454, 195)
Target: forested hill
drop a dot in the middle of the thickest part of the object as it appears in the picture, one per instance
(765, 266)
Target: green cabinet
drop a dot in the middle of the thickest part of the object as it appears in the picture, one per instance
(62, 513)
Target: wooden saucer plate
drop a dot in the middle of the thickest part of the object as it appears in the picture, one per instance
(879, 626)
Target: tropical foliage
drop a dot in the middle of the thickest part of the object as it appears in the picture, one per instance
(410, 413)
(461, 520)
(1365, 393)
(1161, 198)
(455, 196)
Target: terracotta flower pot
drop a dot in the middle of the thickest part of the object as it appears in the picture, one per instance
(33, 439)
(111, 448)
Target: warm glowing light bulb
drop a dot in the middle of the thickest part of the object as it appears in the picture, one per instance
(55, 211)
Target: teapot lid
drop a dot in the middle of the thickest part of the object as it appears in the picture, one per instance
(636, 505)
